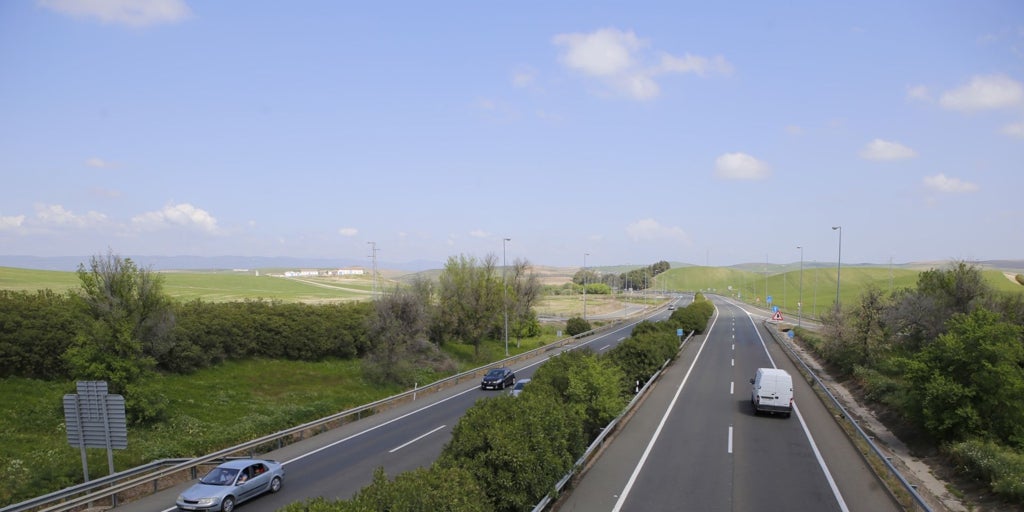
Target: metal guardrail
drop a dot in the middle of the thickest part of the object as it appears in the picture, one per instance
(106, 489)
(782, 341)
(598, 442)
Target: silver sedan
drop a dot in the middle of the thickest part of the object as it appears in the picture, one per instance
(231, 483)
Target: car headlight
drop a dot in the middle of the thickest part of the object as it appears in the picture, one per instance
(205, 502)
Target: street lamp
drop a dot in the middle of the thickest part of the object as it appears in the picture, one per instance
(504, 290)
(839, 262)
(800, 300)
(585, 285)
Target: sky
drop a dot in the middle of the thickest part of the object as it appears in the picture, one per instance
(587, 133)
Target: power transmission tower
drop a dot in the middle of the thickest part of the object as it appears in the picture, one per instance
(373, 256)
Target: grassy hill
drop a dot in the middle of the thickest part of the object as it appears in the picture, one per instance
(819, 284)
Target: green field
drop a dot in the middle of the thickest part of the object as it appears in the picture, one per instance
(819, 284)
(215, 286)
(782, 283)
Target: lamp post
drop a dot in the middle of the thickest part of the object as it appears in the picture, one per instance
(839, 262)
(504, 290)
(800, 299)
(585, 285)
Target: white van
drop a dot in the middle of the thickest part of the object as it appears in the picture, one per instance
(772, 391)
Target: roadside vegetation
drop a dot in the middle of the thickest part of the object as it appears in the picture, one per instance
(198, 375)
(945, 360)
(204, 365)
(507, 453)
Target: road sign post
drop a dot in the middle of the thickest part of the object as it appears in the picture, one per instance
(95, 419)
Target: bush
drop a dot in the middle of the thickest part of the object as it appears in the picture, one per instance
(576, 325)
(694, 317)
(523, 445)
(1002, 467)
(435, 489)
(643, 353)
(589, 386)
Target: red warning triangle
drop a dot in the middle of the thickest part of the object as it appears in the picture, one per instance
(777, 316)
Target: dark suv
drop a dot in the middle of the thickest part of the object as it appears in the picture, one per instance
(498, 378)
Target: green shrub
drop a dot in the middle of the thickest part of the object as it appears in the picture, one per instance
(434, 489)
(1002, 467)
(520, 446)
(576, 325)
(1019, 278)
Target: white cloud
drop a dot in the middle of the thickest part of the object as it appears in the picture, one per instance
(618, 60)
(942, 183)
(918, 93)
(348, 231)
(984, 92)
(1014, 130)
(650, 229)
(11, 222)
(701, 66)
(524, 77)
(133, 13)
(740, 166)
(99, 163)
(605, 52)
(479, 233)
(183, 214)
(57, 215)
(879, 149)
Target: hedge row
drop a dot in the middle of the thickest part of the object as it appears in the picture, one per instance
(37, 328)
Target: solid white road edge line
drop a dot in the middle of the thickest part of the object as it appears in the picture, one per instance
(807, 432)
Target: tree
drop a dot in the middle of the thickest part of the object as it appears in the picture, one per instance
(469, 299)
(585, 275)
(869, 327)
(129, 322)
(526, 289)
(920, 315)
(969, 381)
(399, 320)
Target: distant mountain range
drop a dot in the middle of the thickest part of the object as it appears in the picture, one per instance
(70, 263)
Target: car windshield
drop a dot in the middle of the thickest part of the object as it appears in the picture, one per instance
(220, 476)
(519, 385)
(495, 373)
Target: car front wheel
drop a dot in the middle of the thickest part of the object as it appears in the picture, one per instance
(275, 484)
(228, 504)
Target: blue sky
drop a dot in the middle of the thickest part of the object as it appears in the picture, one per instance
(706, 132)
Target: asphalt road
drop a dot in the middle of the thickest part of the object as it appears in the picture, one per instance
(695, 444)
(338, 463)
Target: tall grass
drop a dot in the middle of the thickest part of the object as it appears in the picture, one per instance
(208, 410)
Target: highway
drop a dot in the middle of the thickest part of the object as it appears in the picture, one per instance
(338, 463)
(695, 444)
